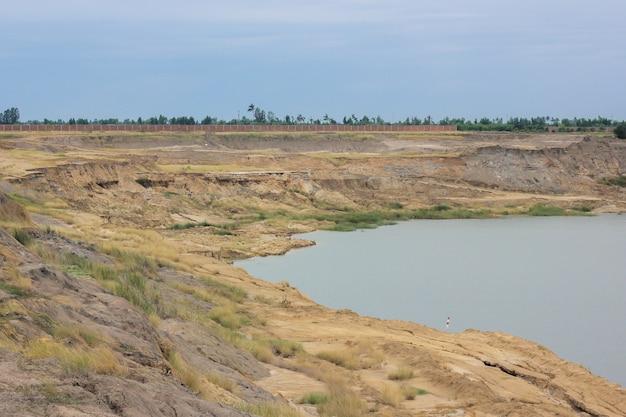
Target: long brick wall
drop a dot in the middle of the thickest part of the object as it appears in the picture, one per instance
(226, 128)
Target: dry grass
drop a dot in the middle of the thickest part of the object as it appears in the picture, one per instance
(13, 277)
(74, 360)
(222, 382)
(186, 373)
(6, 342)
(344, 401)
(227, 316)
(269, 410)
(391, 395)
(410, 393)
(12, 306)
(361, 355)
(208, 386)
(401, 373)
(12, 212)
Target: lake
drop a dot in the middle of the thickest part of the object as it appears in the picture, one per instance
(558, 281)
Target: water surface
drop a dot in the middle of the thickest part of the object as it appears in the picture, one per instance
(559, 281)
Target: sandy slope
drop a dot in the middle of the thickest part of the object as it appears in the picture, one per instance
(128, 190)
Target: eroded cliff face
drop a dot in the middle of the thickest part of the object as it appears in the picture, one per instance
(476, 172)
(117, 299)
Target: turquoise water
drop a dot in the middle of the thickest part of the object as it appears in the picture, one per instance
(559, 281)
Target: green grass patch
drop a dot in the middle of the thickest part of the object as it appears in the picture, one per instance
(189, 225)
(315, 398)
(443, 212)
(345, 221)
(350, 221)
(542, 210)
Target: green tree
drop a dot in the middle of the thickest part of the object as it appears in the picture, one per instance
(259, 115)
(620, 130)
(10, 116)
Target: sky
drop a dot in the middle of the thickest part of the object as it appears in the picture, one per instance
(394, 58)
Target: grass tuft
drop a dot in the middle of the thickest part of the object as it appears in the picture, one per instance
(401, 373)
(315, 398)
(23, 237)
(391, 395)
(357, 356)
(411, 392)
(227, 316)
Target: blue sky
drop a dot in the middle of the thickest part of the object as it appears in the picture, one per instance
(391, 58)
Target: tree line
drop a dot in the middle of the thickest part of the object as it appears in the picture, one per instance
(259, 116)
